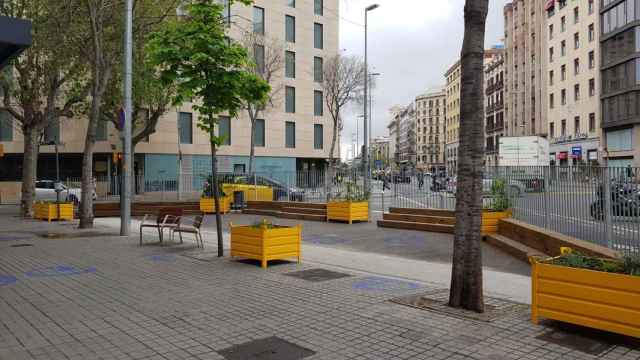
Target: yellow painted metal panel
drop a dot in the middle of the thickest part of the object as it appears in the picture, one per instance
(590, 277)
(266, 244)
(586, 307)
(624, 299)
(207, 205)
(348, 211)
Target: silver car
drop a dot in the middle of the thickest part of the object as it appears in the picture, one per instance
(46, 190)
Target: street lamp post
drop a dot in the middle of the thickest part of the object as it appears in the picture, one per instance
(365, 156)
(371, 75)
(125, 195)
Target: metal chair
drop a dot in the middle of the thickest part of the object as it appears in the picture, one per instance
(192, 228)
(167, 218)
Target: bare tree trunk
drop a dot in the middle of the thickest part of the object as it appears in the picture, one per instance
(216, 197)
(29, 170)
(332, 157)
(86, 203)
(252, 152)
(466, 278)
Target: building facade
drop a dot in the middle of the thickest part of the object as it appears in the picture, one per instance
(430, 130)
(525, 86)
(381, 152)
(572, 82)
(406, 153)
(620, 66)
(394, 134)
(452, 117)
(494, 108)
(293, 135)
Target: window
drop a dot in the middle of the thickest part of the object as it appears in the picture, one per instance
(318, 36)
(290, 99)
(563, 97)
(258, 133)
(318, 137)
(592, 122)
(101, 131)
(317, 103)
(590, 7)
(620, 140)
(551, 101)
(290, 135)
(258, 56)
(551, 54)
(550, 31)
(563, 127)
(563, 24)
(290, 64)
(591, 33)
(291, 3)
(318, 7)
(592, 60)
(224, 129)
(592, 87)
(563, 72)
(562, 3)
(6, 126)
(290, 28)
(185, 127)
(563, 48)
(550, 77)
(576, 125)
(576, 15)
(52, 132)
(258, 20)
(576, 92)
(318, 75)
(576, 66)
(576, 40)
(552, 130)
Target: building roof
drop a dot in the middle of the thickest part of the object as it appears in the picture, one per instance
(15, 37)
(436, 91)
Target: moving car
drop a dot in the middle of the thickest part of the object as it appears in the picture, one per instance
(46, 190)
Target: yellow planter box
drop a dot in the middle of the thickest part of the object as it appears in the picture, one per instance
(600, 300)
(490, 220)
(251, 192)
(348, 211)
(264, 244)
(207, 205)
(49, 211)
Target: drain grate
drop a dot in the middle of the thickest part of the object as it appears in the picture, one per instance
(20, 245)
(588, 343)
(317, 275)
(271, 348)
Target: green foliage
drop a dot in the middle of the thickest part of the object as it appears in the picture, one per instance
(195, 54)
(629, 265)
(264, 224)
(499, 199)
(207, 189)
(353, 193)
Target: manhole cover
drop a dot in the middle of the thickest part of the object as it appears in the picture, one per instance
(7, 280)
(376, 283)
(21, 245)
(317, 275)
(586, 344)
(272, 348)
(438, 302)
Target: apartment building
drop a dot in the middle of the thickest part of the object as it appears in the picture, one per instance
(526, 55)
(620, 97)
(572, 82)
(430, 130)
(494, 107)
(381, 152)
(293, 135)
(452, 117)
(394, 133)
(406, 156)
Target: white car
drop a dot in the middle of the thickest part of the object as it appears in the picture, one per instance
(46, 190)
(513, 188)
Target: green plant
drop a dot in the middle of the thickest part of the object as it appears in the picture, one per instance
(353, 193)
(499, 199)
(264, 224)
(207, 189)
(629, 265)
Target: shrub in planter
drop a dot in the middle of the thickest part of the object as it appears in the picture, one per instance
(207, 204)
(499, 207)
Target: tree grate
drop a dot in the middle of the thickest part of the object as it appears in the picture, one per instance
(317, 275)
(271, 348)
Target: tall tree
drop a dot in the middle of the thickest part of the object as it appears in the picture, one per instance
(44, 84)
(466, 278)
(343, 82)
(196, 54)
(268, 56)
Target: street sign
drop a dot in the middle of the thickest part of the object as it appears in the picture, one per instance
(576, 151)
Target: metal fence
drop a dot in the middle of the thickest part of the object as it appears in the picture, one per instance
(569, 200)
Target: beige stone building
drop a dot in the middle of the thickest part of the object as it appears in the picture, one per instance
(430, 130)
(452, 117)
(381, 152)
(573, 77)
(294, 135)
(526, 55)
(494, 107)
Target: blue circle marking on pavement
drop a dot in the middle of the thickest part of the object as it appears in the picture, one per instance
(60, 270)
(376, 283)
(406, 240)
(326, 239)
(163, 258)
(13, 237)
(7, 280)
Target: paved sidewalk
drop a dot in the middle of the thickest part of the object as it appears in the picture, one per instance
(93, 295)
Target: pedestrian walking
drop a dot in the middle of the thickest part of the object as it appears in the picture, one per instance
(420, 180)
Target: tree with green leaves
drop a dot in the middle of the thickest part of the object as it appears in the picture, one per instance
(466, 276)
(45, 83)
(195, 54)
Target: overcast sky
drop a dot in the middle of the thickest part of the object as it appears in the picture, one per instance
(411, 43)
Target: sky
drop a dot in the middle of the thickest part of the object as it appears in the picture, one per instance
(412, 43)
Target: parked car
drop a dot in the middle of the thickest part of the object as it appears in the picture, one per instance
(280, 191)
(625, 200)
(46, 190)
(512, 188)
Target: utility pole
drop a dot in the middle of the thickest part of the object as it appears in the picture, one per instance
(125, 195)
(365, 156)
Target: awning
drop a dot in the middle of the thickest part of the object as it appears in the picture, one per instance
(549, 5)
(15, 37)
